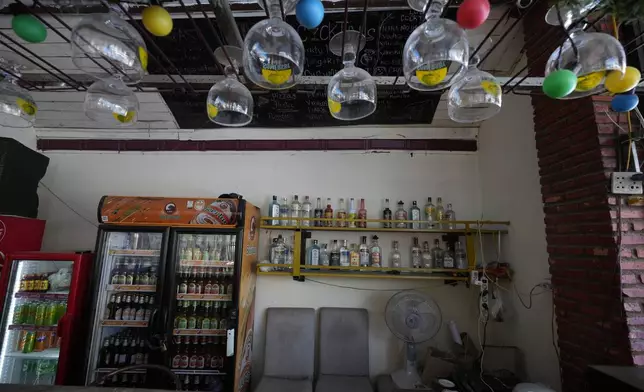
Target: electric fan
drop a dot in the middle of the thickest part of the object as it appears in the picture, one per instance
(414, 318)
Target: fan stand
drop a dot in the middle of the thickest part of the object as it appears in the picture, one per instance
(408, 378)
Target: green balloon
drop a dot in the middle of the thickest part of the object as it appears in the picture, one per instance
(560, 83)
(29, 28)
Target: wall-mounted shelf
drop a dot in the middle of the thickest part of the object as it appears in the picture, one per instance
(469, 229)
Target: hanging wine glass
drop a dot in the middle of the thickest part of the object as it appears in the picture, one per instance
(436, 54)
(111, 102)
(17, 107)
(590, 56)
(229, 102)
(273, 53)
(351, 93)
(475, 97)
(110, 40)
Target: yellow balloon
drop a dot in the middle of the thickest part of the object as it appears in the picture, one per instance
(617, 83)
(157, 20)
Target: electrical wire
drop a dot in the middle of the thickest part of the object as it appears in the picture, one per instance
(67, 205)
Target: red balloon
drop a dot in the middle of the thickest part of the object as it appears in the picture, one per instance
(472, 13)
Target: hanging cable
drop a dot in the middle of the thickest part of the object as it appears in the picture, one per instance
(344, 26)
(363, 27)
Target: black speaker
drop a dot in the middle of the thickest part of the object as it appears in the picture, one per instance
(21, 169)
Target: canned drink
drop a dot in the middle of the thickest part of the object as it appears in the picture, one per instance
(40, 342)
(40, 314)
(30, 313)
(17, 314)
(62, 309)
(51, 314)
(30, 342)
(21, 340)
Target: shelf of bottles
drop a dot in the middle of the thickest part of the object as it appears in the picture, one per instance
(204, 293)
(38, 293)
(126, 302)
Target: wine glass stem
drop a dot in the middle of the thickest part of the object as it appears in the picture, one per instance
(274, 10)
(435, 9)
(349, 57)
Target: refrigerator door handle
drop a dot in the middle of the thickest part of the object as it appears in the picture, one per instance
(61, 325)
(156, 340)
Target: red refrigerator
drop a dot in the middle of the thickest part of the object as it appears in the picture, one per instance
(174, 285)
(42, 319)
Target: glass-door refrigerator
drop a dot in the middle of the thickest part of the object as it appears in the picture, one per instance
(43, 329)
(202, 329)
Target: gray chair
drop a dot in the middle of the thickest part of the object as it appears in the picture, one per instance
(344, 351)
(289, 353)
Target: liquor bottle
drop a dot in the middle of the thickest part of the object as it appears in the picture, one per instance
(362, 215)
(274, 212)
(395, 259)
(344, 254)
(295, 211)
(313, 254)
(110, 309)
(135, 307)
(205, 254)
(149, 305)
(430, 212)
(335, 254)
(284, 212)
(117, 314)
(428, 260)
(319, 213)
(141, 355)
(200, 314)
(183, 282)
(116, 351)
(192, 315)
(401, 215)
(280, 251)
(185, 354)
(448, 259)
(328, 213)
(450, 217)
(354, 255)
(115, 277)
(439, 214)
(460, 257)
(206, 348)
(181, 320)
(105, 355)
(352, 213)
(230, 282)
(289, 251)
(306, 212)
(375, 252)
(201, 360)
(415, 254)
(127, 308)
(123, 352)
(386, 215)
(194, 355)
(153, 275)
(414, 214)
(207, 288)
(324, 255)
(364, 252)
(200, 281)
(216, 318)
(216, 286)
(342, 215)
(129, 274)
(197, 254)
(144, 275)
(192, 281)
(438, 254)
(189, 246)
(133, 352)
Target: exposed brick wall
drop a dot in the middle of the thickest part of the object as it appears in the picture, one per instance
(576, 143)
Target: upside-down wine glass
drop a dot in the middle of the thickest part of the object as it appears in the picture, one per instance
(17, 107)
(229, 102)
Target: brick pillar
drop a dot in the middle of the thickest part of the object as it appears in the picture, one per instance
(576, 151)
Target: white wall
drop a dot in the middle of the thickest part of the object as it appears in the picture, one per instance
(511, 191)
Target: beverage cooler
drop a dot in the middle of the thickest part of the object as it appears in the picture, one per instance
(42, 320)
(174, 286)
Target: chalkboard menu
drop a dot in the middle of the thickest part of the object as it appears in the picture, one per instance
(308, 108)
(386, 34)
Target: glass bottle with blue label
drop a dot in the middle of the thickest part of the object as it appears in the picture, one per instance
(274, 211)
(313, 254)
(414, 214)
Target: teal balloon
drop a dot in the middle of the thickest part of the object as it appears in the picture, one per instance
(560, 83)
(29, 28)
(624, 102)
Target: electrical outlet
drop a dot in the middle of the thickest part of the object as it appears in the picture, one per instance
(623, 184)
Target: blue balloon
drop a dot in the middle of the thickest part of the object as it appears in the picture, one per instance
(624, 102)
(309, 13)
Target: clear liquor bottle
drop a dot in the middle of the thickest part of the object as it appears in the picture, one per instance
(296, 208)
(279, 256)
(352, 213)
(395, 259)
(439, 213)
(274, 211)
(460, 256)
(438, 254)
(271, 252)
(335, 254)
(289, 250)
(416, 258)
(428, 259)
(318, 213)
(448, 259)
(362, 215)
(401, 215)
(364, 252)
(306, 212)
(375, 252)
(450, 217)
(285, 212)
(328, 214)
(386, 215)
(414, 214)
(344, 254)
(430, 212)
(313, 254)
(324, 255)
(342, 215)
